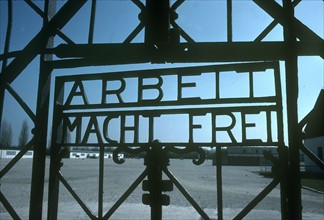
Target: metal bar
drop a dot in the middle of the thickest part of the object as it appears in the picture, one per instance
(182, 32)
(303, 148)
(13, 161)
(76, 196)
(266, 31)
(56, 137)
(312, 156)
(101, 54)
(283, 164)
(139, 4)
(21, 102)
(279, 105)
(229, 21)
(8, 207)
(64, 37)
(294, 136)
(10, 54)
(251, 85)
(257, 199)
(219, 183)
(272, 25)
(176, 5)
(38, 171)
(186, 194)
(101, 181)
(8, 34)
(42, 14)
(134, 33)
(36, 8)
(37, 44)
(126, 194)
(41, 122)
(5, 51)
(278, 13)
(92, 21)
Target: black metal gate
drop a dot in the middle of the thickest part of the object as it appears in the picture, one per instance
(162, 44)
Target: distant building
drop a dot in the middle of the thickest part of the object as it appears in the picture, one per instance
(314, 135)
(248, 156)
(86, 152)
(11, 153)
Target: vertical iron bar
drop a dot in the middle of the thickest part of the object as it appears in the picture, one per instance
(53, 182)
(154, 177)
(283, 161)
(5, 50)
(282, 151)
(157, 23)
(219, 183)
(251, 85)
(101, 184)
(92, 21)
(279, 105)
(229, 21)
(8, 34)
(217, 96)
(40, 131)
(294, 137)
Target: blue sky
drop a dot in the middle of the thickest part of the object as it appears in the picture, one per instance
(204, 21)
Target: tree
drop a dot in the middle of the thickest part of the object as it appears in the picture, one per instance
(23, 138)
(6, 135)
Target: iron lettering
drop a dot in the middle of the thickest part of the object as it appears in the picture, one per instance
(177, 106)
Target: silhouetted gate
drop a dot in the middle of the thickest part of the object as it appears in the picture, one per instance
(150, 102)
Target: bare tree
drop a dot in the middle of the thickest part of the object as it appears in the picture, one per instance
(23, 138)
(6, 135)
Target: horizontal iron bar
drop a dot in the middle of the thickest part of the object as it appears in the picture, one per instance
(173, 104)
(108, 54)
(178, 144)
(10, 54)
(196, 110)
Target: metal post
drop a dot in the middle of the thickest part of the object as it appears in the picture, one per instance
(294, 138)
(56, 138)
(156, 161)
(219, 183)
(40, 131)
(157, 22)
(101, 181)
(154, 181)
(4, 62)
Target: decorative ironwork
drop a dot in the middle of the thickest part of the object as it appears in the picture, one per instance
(160, 45)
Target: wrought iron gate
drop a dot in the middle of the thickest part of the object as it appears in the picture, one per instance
(161, 44)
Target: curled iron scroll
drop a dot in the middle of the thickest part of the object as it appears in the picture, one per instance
(132, 151)
(189, 149)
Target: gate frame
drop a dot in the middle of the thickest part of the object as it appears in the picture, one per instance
(288, 51)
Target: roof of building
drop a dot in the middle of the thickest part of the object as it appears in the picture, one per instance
(315, 124)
